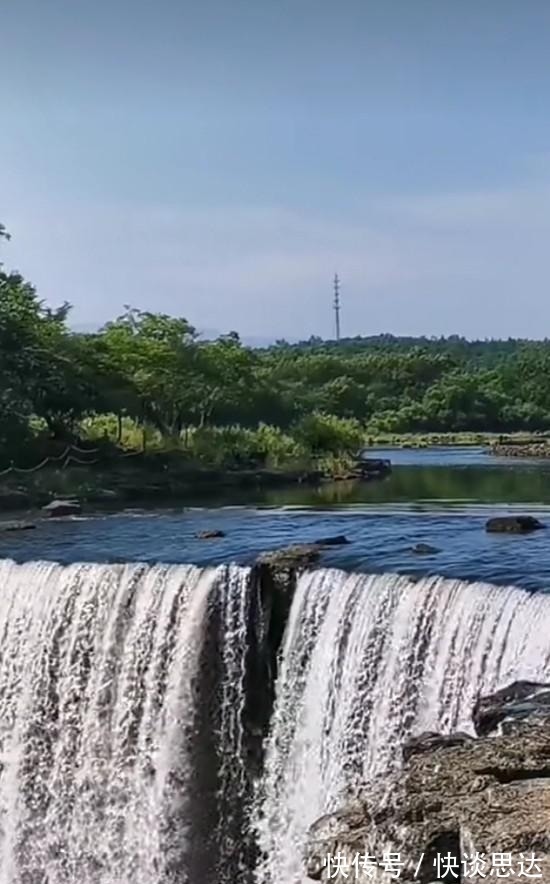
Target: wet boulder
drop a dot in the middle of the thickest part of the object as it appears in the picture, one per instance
(16, 526)
(291, 557)
(503, 709)
(59, 508)
(425, 549)
(513, 525)
(274, 576)
(211, 534)
(430, 741)
(492, 793)
(277, 572)
(337, 540)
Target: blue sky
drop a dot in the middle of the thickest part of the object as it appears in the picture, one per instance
(220, 160)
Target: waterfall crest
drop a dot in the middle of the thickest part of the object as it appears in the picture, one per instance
(121, 691)
(368, 661)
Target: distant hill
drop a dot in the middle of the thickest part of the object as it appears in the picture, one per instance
(455, 345)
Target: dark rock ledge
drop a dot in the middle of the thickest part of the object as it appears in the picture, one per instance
(458, 795)
(274, 577)
(513, 525)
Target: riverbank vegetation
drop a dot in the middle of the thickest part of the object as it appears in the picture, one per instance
(148, 382)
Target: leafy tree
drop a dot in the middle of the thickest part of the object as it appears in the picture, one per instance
(149, 360)
(228, 403)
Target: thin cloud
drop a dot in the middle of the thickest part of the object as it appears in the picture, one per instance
(461, 262)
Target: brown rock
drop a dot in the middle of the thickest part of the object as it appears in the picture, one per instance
(491, 794)
(520, 700)
(291, 557)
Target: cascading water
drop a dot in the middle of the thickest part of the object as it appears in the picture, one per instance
(368, 661)
(128, 696)
(121, 699)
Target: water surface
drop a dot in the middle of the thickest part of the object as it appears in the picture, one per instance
(442, 497)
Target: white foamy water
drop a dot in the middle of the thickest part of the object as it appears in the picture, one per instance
(367, 662)
(102, 720)
(123, 752)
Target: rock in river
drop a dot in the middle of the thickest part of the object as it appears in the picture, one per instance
(425, 549)
(63, 508)
(16, 526)
(513, 525)
(290, 558)
(211, 534)
(337, 540)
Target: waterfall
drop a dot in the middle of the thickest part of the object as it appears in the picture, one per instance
(368, 661)
(133, 703)
(122, 756)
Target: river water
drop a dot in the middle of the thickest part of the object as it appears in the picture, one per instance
(442, 497)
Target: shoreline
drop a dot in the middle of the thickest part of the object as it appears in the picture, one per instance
(109, 488)
(165, 482)
(534, 446)
(165, 479)
(490, 440)
(106, 487)
(531, 450)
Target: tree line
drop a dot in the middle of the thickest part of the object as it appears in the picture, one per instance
(154, 372)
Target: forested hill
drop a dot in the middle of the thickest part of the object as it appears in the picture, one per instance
(154, 372)
(486, 351)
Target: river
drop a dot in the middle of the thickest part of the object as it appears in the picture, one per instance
(440, 496)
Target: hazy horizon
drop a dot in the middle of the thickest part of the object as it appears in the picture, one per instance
(221, 162)
(259, 341)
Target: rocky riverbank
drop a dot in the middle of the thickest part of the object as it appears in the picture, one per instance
(155, 484)
(159, 480)
(484, 803)
(535, 450)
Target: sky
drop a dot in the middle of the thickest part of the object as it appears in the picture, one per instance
(221, 160)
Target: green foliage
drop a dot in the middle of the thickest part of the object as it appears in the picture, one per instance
(239, 447)
(327, 434)
(149, 379)
(40, 371)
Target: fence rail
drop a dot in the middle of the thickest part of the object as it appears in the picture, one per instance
(65, 458)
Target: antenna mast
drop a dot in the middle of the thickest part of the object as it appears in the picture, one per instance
(337, 304)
